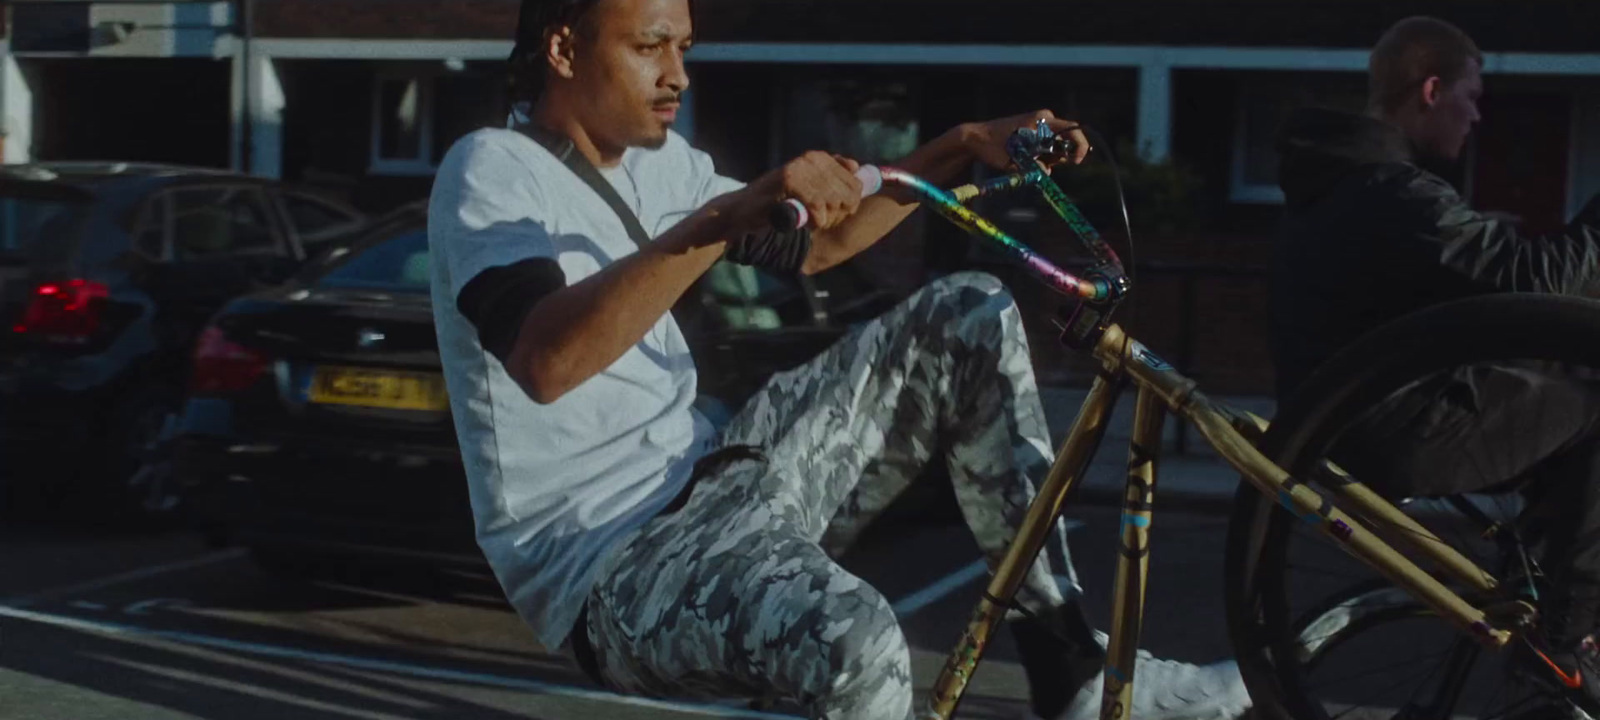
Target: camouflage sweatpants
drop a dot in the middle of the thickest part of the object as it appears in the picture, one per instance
(733, 595)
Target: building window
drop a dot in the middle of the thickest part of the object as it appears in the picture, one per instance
(1585, 165)
(418, 115)
(872, 121)
(1265, 101)
(402, 125)
(872, 118)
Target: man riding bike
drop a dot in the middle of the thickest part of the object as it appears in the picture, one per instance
(1361, 203)
(674, 561)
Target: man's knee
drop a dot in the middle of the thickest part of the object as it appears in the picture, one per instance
(971, 289)
(869, 661)
(974, 304)
(860, 627)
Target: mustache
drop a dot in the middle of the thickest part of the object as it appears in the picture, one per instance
(673, 99)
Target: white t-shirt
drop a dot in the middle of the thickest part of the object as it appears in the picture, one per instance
(555, 487)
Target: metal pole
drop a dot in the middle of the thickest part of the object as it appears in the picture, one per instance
(247, 121)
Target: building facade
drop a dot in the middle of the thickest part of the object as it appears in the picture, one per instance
(362, 98)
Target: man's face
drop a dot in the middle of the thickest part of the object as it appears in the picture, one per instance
(1446, 123)
(628, 69)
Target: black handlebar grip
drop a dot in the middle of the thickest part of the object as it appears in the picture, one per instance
(784, 217)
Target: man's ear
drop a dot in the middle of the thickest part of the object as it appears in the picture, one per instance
(1431, 90)
(558, 49)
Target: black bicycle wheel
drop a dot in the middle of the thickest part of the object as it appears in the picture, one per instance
(1294, 599)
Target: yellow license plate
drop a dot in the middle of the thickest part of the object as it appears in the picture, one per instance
(390, 389)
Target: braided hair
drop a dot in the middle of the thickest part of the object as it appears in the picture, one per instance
(525, 71)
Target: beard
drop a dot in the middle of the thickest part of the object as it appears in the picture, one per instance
(656, 141)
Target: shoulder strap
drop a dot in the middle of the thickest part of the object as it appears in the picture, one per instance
(689, 312)
(567, 153)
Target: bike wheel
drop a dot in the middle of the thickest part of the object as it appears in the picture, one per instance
(1301, 609)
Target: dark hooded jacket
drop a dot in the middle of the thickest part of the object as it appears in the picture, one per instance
(1368, 236)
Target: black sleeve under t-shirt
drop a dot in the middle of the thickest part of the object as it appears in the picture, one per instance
(497, 300)
(780, 251)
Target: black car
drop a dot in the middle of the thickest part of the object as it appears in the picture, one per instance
(107, 273)
(317, 418)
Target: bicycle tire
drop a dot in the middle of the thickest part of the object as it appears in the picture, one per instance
(1481, 329)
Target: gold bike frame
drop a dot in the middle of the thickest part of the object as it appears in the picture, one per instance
(1233, 434)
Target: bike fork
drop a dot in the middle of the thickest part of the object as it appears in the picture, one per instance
(1133, 560)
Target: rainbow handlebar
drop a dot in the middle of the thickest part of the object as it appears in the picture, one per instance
(1108, 283)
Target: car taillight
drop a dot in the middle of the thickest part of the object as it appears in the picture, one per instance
(63, 312)
(223, 366)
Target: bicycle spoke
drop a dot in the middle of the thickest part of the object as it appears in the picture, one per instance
(1319, 639)
(1463, 543)
(1326, 573)
(1522, 704)
(1495, 698)
(1384, 690)
(1381, 668)
(1463, 655)
(1412, 700)
(1421, 611)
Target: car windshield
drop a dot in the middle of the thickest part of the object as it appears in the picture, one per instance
(399, 263)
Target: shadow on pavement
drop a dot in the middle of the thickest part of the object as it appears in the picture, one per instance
(204, 682)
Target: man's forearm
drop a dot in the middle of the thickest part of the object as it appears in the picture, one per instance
(573, 334)
(940, 161)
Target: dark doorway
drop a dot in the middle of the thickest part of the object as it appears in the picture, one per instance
(168, 110)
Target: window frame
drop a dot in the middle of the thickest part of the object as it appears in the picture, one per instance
(422, 163)
(1251, 86)
(274, 224)
(158, 202)
(303, 244)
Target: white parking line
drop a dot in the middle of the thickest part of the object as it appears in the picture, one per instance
(122, 577)
(398, 668)
(940, 588)
(910, 604)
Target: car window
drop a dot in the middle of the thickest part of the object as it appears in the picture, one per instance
(220, 222)
(39, 228)
(150, 237)
(398, 263)
(747, 298)
(314, 219)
